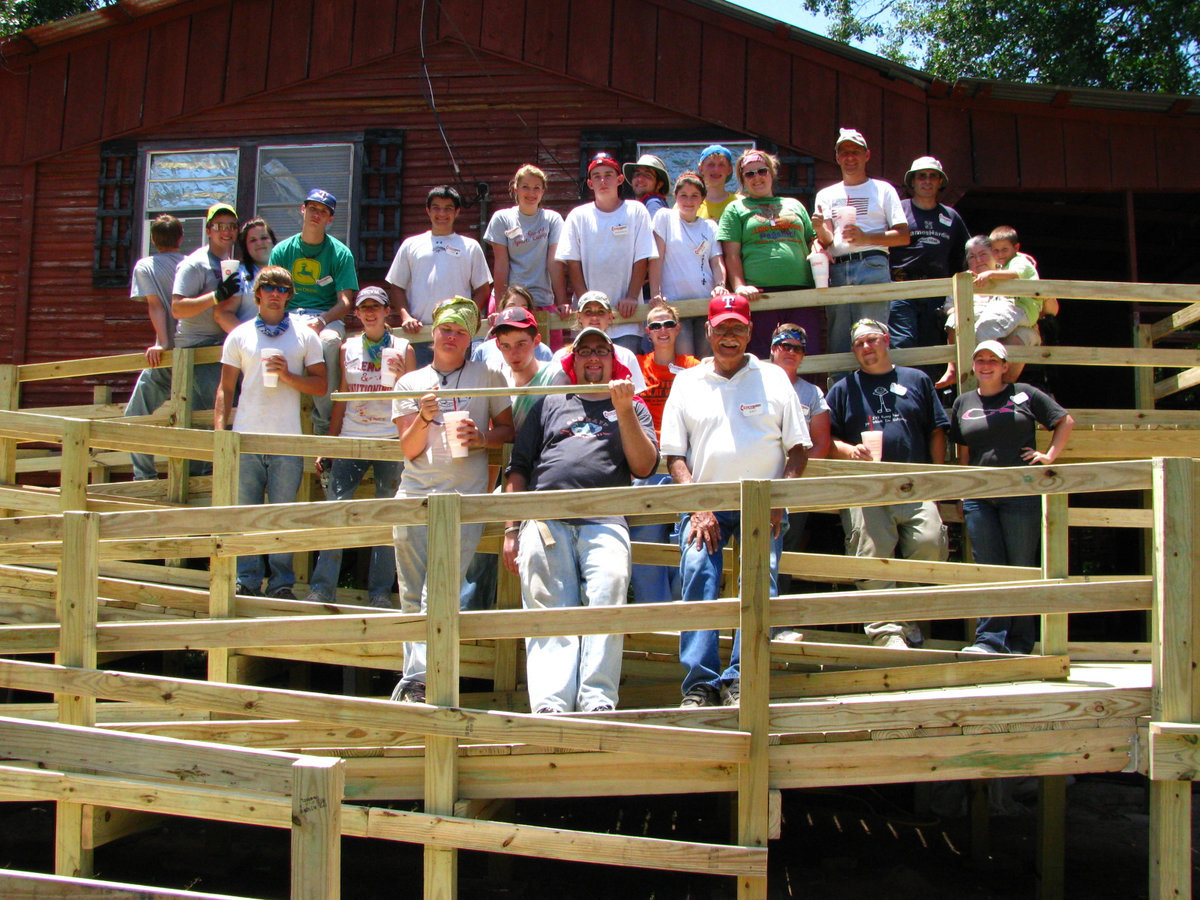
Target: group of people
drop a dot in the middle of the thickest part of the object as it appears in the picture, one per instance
(718, 396)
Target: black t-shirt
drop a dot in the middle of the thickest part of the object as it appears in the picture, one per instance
(901, 402)
(937, 246)
(996, 429)
(569, 442)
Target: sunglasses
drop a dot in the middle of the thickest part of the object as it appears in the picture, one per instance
(658, 326)
(276, 288)
(756, 173)
(788, 347)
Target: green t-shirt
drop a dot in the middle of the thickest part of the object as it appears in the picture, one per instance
(1030, 306)
(320, 273)
(775, 234)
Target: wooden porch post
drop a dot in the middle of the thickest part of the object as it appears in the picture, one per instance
(223, 569)
(10, 392)
(1052, 789)
(78, 586)
(317, 790)
(754, 550)
(183, 383)
(964, 334)
(441, 681)
(1175, 696)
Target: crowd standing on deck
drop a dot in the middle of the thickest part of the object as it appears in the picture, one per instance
(720, 395)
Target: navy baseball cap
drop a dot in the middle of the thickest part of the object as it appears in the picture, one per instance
(321, 196)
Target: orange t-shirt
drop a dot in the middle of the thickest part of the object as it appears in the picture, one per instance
(658, 383)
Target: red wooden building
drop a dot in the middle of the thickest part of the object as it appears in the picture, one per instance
(150, 105)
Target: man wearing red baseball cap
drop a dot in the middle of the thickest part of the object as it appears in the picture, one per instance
(729, 418)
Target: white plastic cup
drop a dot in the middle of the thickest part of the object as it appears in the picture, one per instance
(846, 215)
(819, 263)
(873, 441)
(229, 267)
(387, 377)
(452, 419)
(270, 379)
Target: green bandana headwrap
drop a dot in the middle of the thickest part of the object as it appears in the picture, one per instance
(457, 311)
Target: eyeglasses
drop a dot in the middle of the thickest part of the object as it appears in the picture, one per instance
(756, 173)
(658, 326)
(787, 347)
(224, 226)
(738, 331)
(589, 352)
(276, 288)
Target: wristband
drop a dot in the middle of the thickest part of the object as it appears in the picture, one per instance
(512, 528)
(322, 320)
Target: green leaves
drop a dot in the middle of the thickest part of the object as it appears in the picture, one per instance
(1139, 46)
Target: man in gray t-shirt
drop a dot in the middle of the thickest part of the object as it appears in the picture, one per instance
(153, 278)
(199, 289)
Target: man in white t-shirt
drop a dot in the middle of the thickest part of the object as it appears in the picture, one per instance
(430, 467)
(729, 418)
(437, 264)
(607, 246)
(595, 311)
(857, 219)
(278, 348)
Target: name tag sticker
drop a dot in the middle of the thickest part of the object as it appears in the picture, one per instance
(944, 219)
(326, 281)
(702, 248)
(453, 251)
(898, 389)
(514, 232)
(752, 409)
(620, 230)
(1020, 397)
(671, 367)
(611, 415)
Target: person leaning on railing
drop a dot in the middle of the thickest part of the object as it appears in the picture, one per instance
(996, 425)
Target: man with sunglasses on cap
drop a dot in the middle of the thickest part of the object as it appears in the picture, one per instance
(938, 246)
(199, 291)
(607, 246)
(729, 418)
(900, 403)
(572, 441)
(323, 271)
(857, 219)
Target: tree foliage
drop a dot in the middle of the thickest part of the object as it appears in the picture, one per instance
(1139, 45)
(17, 15)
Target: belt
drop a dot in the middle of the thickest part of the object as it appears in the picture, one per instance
(862, 254)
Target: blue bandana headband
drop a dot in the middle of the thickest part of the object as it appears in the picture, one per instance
(789, 336)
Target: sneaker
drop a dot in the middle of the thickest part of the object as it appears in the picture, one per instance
(546, 711)
(890, 641)
(701, 695)
(602, 708)
(314, 597)
(246, 591)
(979, 648)
(381, 602)
(731, 694)
(409, 692)
(790, 635)
(282, 593)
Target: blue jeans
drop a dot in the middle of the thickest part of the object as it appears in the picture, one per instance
(1005, 531)
(278, 479)
(872, 270)
(152, 390)
(654, 584)
(700, 572)
(564, 565)
(344, 478)
(917, 322)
